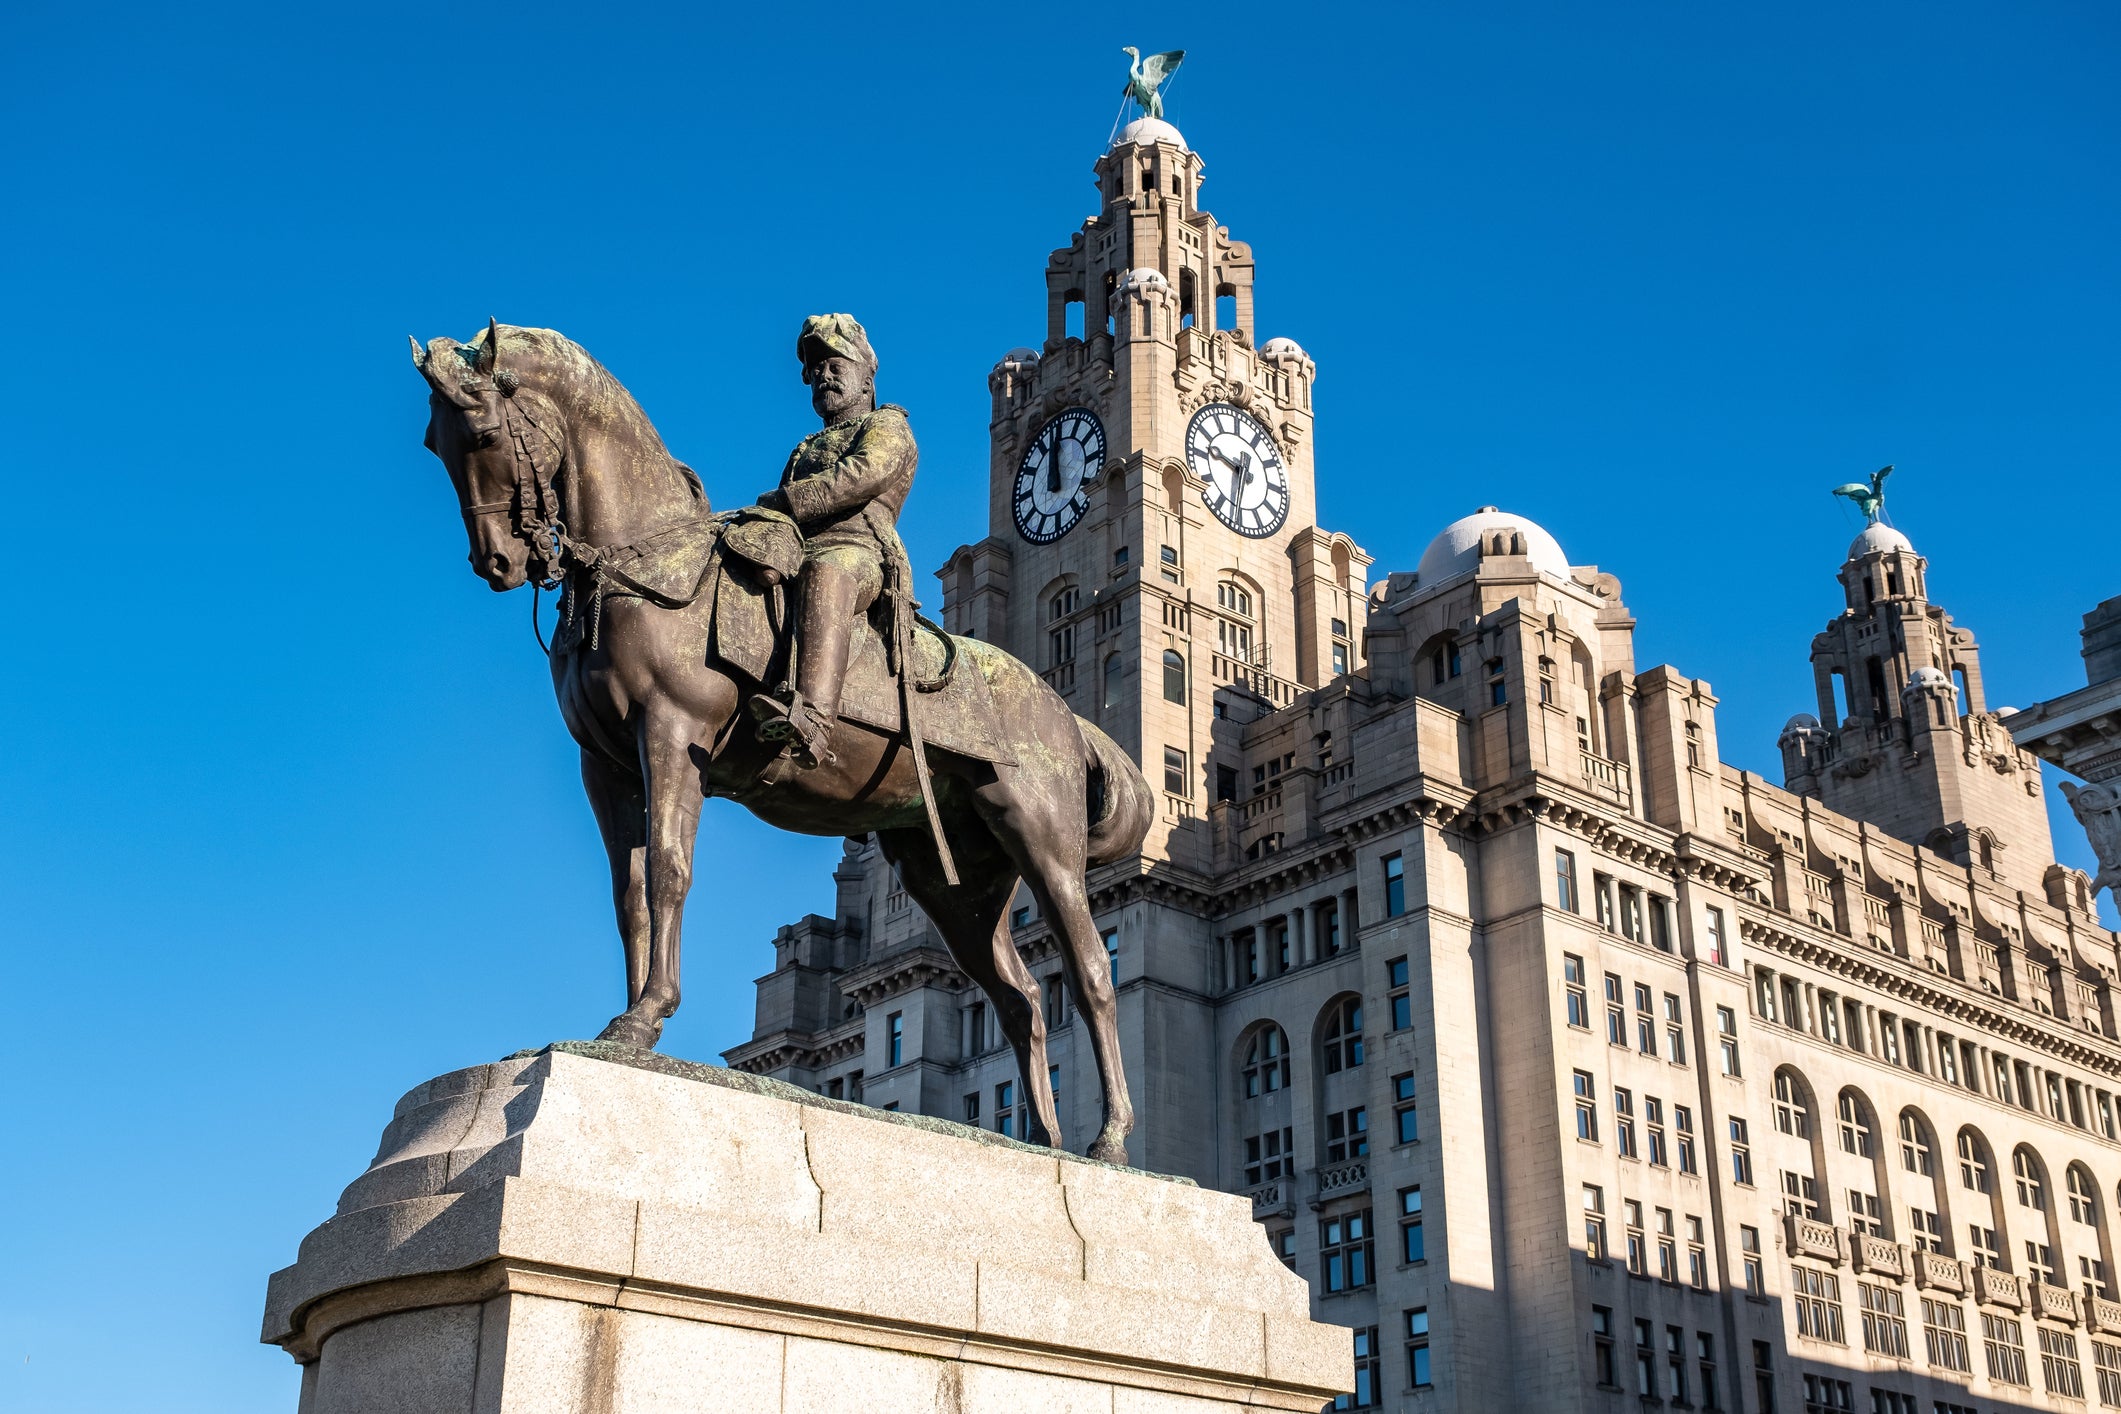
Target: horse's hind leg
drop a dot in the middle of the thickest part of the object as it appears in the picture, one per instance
(1055, 873)
(671, 788)
(970, 918)
(622, 818)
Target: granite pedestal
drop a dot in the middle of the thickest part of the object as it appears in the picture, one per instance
(603, 1231)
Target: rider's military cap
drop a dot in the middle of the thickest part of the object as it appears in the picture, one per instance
(825, 334)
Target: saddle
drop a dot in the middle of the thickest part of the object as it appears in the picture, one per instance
(719, 559)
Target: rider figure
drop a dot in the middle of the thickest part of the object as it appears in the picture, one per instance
(844, 487)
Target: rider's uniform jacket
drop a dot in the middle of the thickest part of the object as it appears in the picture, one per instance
(833, 476)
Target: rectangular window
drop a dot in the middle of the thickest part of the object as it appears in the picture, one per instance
(972, 1109)
(1578, 998)
(2003, 1342)
(1800, 1195)
(1406, 1117)
(1344, 1252)
(1395, 886)
(1925, 1230)
(1418, 1347)
(1645, 1361)
(1269, 1156)
(1667, 1247)
(1565, 881)
(1727, 1038)
(1602, 1345)
(1347, 1135)
(1674, 1029)
(1412, 1246)
(1749, 1246)
(1741, 1154)
(1944, 1334)
(1402, 1003)
(1111, 940)
(1637, 1239)
(1602, 896)
(2059, 1369)
(1717, 954)
(1005, 1112)
(1823, 1395)
(2106, 1361)
(1594, 1222)
(1645, 1022)
(1705, 1351)
(1683, 1126)
(1616, 1016)
(1865, 1215)
(1884, 1320)
(1660, 911)
(1368, 1392)
(1624, 1121)
(1983, 1250)
(1653, 1126)
(1697, 1255)
(1586, 1105)
(1764, 993)
(1818, 1297)
(895, 1038)
(1631, 913)
(1175, 772)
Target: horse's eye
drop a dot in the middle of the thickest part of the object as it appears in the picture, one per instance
(487, 437)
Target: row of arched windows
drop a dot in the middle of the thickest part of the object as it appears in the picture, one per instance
(1961, 1205)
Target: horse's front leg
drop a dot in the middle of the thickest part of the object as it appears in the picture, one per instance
(622, 817)
(671, 790)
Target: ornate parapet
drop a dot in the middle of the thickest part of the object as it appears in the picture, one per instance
(1994, 1288)
(1274, 1199)
(1809, 1237)
(1875, 1256)
(1936, 1272)
(2052, 1303)
(1339, 1181)
(2102, 1317)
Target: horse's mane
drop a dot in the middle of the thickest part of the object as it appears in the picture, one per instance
(583, 388)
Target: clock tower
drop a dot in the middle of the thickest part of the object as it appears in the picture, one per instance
(1152, 545)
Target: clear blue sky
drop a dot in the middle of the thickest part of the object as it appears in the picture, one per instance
(288, 822)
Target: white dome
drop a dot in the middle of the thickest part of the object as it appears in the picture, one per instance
(1277, 350)
(1802, 722)
(1458, 548)
(1022, 357)
(1928, 677)
(1144, 277)
(1877, 540)
(1146, 130)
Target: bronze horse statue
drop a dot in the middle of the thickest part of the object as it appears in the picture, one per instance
(558, 472)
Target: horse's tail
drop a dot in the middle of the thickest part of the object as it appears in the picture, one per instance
(1121, 809)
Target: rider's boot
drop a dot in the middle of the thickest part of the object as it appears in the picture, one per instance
(830, 597)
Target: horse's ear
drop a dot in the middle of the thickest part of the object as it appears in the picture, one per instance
(419, 355)
(490, 356)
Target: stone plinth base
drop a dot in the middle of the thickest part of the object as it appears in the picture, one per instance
(606, 1231)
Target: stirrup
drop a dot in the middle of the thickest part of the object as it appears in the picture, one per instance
(798, 727)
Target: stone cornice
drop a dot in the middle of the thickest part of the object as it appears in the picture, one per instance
(1935, 996)
(797, 1050)
(899, 972)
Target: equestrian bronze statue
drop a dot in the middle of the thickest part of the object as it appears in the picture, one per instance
(771, 656)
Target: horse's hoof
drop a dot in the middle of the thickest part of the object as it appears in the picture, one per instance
(1110, 1151)
(626, 1029)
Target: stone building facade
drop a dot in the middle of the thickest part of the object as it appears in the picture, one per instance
(1573, 1067)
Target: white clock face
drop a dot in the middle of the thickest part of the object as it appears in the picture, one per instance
(1248, 487)
(1053, 480)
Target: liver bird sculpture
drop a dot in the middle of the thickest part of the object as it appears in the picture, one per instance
(1148, 75)
(1869, 499)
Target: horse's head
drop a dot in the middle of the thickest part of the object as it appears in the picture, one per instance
(499, 455)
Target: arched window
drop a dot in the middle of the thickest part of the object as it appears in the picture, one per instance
(1112, 672)
(1855, 1125)
(1792, 1115)
(2083, 1198)
(1341, 1038)
(1266, 1066)
(2032, 1188)
(1174, 677)
(1917, 1154)
(1973, 1162)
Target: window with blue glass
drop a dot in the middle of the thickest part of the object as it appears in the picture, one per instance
(1344, 1252)
(1402, 1003)
(1405, 1115)
(895, 1043)
(1395, 886)
(1367, 1393)
(1418, 1347)
(1111, 936)
(1412, 1246)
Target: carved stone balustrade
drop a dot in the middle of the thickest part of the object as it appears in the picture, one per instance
(1878, 1257)
(2053, 1303)
(1809, 1237)
(1994, 1288)
(2102, 1316)
(1937, 1272)
(1339, 1181)
(1274, 1199)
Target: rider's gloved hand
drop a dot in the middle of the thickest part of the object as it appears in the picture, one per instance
(774, 500)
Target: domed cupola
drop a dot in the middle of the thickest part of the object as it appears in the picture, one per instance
(1882, 564)
(1489, 534)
